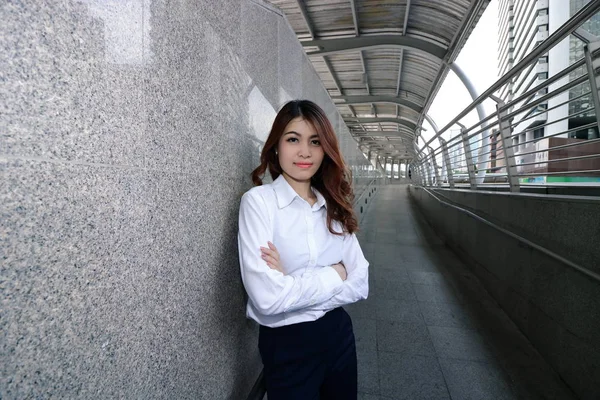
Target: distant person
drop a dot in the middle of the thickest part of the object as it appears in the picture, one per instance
(300, 259)
(409, 174)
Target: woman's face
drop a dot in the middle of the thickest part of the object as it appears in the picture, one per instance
(300, 151)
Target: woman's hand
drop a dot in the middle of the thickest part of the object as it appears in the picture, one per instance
(341, 270)
(271, 257)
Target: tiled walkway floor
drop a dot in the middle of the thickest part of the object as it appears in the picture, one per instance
(428, 329)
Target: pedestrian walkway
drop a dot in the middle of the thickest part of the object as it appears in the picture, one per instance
(428, 329)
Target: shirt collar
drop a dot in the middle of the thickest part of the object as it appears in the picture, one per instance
(286, 194)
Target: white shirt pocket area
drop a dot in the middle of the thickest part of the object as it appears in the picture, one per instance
(270, 291)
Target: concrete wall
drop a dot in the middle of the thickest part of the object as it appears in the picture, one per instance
(555, 306)
(128, 130)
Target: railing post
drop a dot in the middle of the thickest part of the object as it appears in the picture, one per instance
(422, 176)
(592, 61)
(447, 162)
(435, 168)
(507, 149)
(468, 157)
(415, 173)
(426, 165)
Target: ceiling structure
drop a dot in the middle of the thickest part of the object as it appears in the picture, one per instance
(383, 61)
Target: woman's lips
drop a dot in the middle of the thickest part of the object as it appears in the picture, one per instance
(304, 165)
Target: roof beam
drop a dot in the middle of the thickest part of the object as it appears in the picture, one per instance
(333, 46)
(336, 81)
(382, 150)
(365, 74)
(378, 99)
(354, 17)
(333, 76)
(304, 12)
(384, 133)
(406, 12)
(382, 146)
(408, 124)
(400, 72)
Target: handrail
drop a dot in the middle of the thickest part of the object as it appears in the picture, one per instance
(539, 113)
(359, 197)
(575, 266)
(581, 16)
(259, 389)
(561, 75)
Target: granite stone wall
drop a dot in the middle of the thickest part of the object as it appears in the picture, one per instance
(128, 130)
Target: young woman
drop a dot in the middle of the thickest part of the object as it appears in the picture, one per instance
(300, 259)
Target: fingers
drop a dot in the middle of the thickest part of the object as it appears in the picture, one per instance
(341, 265)
(269, 259)
(273, 266)
(270, 252)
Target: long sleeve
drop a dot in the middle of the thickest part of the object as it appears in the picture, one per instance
(356, 285)
(270, 291)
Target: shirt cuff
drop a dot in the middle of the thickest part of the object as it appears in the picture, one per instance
(332, 282)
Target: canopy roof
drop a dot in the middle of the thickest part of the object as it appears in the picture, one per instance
(383, 61)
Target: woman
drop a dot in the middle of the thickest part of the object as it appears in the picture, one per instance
(300, 259)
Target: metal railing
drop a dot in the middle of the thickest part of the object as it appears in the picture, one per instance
(362, 200)
(548, 134)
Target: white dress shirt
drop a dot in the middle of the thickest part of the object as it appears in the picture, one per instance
(310, 286)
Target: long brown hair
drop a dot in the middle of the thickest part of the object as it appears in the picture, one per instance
(333, 177)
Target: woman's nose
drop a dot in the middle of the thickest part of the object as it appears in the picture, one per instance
(304, 150)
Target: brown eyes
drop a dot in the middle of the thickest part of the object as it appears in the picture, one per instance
(295, 140)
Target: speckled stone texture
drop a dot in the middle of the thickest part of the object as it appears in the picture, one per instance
(128, 131)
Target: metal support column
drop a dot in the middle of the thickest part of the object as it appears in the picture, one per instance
(468, 157)
(482, 158)
(418, 171)
(592, 61)
(429, 173)
(507, 148)
(435, 168)
(423, 172)
(447, 162)
(405, 163)
(387, 161)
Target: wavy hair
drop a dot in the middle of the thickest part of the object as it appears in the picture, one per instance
(332, 179)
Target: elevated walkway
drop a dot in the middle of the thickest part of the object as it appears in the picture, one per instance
(429, 330)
